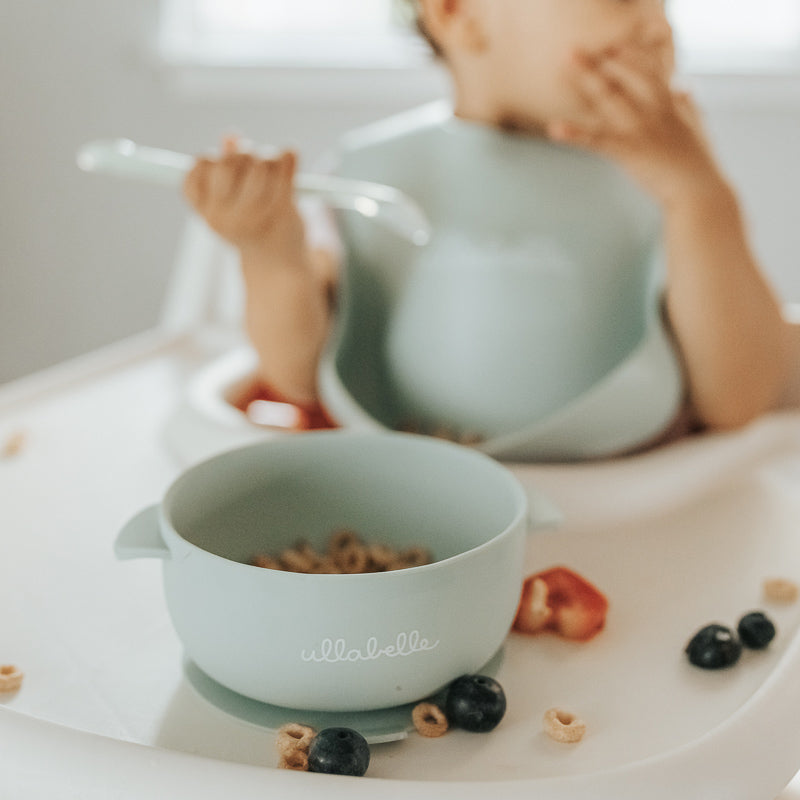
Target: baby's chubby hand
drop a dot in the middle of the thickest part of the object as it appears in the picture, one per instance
(631, 113)
(247, 200)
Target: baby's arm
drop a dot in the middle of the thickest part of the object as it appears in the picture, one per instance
(727, 321)
(249, 201)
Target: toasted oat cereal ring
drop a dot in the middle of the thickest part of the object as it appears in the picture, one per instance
(286, 747)
(266, 562)
(299, 560)
(296, 760)
(314, 558)
(416, 556)
(379, 557)
(411, 557)
(13, 445)
(325, 566)
(352, 560)
(429, 720)
(294, 736)
(563, 726)
(10, 678)
(780, 590)
(343, 540)
(305, 549)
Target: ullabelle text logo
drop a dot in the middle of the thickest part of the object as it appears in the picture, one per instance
(334, 651)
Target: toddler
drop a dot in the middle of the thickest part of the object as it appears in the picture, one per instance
(565, 146)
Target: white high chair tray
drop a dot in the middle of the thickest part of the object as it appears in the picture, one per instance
(676, 538)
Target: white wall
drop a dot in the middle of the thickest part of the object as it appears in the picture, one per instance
(85, 259)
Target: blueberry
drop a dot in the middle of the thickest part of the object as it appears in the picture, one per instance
(475, 703)
(338, 751)
(756, 630)
(714, 647)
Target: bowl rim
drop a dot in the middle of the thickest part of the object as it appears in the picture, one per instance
(518, 522)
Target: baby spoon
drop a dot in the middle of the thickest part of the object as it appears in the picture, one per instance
(386, 205)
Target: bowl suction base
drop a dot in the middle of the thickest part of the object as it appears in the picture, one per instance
(378, 726)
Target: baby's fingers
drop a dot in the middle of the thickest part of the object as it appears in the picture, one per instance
(287, 169)
(268, 183)
(230, 144)
(606, 102)
(642, 89)
(226, 176)
(258, 189)
(195, 185)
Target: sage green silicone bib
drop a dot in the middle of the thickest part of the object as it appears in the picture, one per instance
(540, 286)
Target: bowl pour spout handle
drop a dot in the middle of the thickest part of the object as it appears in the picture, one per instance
(141, 537)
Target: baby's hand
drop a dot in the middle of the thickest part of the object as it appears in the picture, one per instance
(247, 200)
(633, 115)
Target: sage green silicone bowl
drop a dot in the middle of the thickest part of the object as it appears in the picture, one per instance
(339, 642)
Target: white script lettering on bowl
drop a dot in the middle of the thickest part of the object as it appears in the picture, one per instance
(333, 651)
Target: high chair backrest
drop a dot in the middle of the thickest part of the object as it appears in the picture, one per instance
(205, 288)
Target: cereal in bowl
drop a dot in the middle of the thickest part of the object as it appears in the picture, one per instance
(346, 554)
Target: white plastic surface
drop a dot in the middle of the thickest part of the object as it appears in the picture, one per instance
(676, 538)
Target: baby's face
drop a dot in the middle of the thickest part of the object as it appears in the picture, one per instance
(531, 42)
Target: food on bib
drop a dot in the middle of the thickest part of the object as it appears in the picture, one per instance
(448, 434)
(561, 601)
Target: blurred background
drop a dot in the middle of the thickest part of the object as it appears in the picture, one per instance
(86, 259)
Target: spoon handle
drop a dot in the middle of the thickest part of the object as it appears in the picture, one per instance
(387, 205)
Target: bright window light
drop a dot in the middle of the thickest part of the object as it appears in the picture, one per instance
(289, 32)
(279, 17)
(712, 35)
(735, 35)
(723, 25)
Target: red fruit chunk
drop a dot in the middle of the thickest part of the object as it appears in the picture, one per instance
(264, 406)
(561, 601)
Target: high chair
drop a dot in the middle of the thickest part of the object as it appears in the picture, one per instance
(676, 538)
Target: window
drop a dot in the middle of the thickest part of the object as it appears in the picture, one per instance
(310, 33)
(737, 35)
(712, 35)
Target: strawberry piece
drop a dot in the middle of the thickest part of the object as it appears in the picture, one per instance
(561, 601)
(264, 406)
